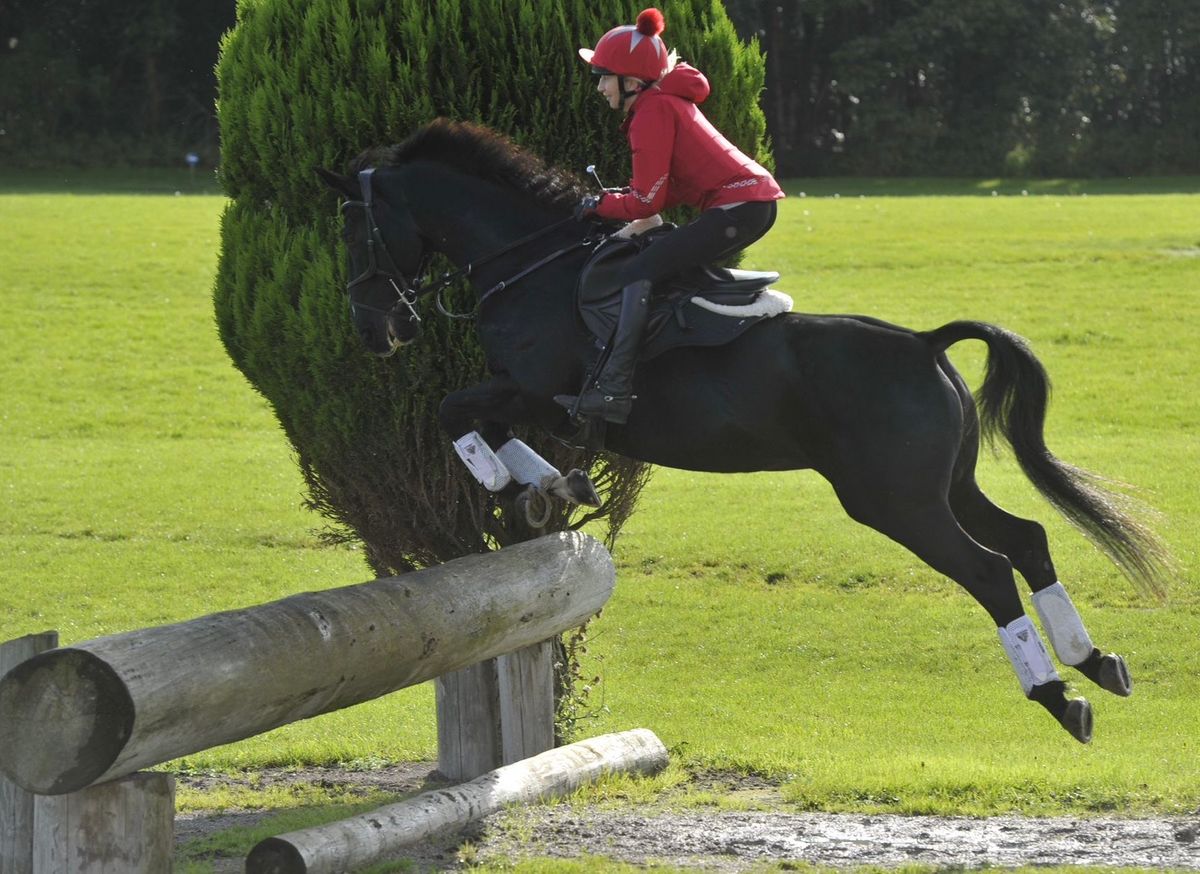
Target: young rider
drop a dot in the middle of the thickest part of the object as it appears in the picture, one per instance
(678, 158)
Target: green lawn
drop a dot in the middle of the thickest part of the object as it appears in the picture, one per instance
(754, 626)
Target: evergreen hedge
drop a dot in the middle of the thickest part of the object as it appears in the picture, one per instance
(308, 83)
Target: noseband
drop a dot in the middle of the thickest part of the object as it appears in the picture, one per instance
(406, 296)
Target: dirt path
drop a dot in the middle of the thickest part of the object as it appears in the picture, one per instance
(734, 841)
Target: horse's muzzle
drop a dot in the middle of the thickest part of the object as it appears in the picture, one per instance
(401, 329)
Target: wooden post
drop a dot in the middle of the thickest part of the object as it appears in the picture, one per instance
(468, 722)
(526, 691)
(373, 837)
(125, 826)
(16, 804)
(109, 707)
(496, 712)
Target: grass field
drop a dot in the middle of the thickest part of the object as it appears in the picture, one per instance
(754, 626)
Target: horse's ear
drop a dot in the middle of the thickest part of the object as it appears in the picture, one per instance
(343, 185)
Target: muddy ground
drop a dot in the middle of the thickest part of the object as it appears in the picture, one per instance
(735, 841)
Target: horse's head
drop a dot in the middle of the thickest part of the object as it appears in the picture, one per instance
(385, 252)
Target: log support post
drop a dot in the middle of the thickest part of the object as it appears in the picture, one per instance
(16, 804)
(527, 708)
(127, 825)
(496, 712)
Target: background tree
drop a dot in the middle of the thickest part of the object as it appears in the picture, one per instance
(1141, 92)
(118, 82)
(979, 87)
(307, 83)
(1071, 87)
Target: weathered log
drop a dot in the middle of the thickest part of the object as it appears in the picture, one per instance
(16, 804)
(106, 708)
(369, 838)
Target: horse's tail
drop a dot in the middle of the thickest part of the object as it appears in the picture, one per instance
(1012, 402)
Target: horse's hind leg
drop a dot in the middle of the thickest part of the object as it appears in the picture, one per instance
(928, 527)
(1024, 542)
(494, 455)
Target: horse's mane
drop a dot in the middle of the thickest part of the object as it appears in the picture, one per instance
(482, 152)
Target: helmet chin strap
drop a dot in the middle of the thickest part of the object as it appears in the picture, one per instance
(626, 94)
(621, 89)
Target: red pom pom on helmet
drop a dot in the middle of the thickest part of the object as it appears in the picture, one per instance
(651, 22)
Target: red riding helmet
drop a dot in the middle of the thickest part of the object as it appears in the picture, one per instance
(631, 49)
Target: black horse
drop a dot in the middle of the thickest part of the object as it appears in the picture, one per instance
(876, 409)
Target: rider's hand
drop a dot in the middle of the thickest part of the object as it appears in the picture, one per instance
(587, 207)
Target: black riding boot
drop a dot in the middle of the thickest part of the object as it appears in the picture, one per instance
(612, 396)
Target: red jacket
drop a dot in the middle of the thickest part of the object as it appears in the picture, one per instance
(679, 157)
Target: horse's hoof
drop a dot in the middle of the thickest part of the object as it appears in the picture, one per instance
(1077, 719)
(1108, 672)
(580, 485)
(576, 488)
(535, 504)
(1113, 676)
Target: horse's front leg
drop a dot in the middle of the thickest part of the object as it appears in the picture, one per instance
(494, 456)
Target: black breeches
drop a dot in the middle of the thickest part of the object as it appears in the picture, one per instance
(715, 234)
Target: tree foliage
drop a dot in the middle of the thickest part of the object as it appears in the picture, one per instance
(1064, 87)
(307, 83)
(83, 82)
(980, 87)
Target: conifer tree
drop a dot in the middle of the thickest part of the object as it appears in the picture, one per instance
(309, 83)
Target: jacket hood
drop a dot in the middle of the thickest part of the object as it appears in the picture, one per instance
(686, 82)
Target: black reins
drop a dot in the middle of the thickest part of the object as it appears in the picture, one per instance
(407, 295)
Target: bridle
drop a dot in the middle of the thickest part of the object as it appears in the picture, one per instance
(406, 295)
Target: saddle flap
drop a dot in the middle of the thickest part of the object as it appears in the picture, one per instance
(600, 276)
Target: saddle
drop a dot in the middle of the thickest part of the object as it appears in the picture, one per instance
(704, 306)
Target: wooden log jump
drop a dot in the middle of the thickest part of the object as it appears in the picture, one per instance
(103, 709)
(363, 840)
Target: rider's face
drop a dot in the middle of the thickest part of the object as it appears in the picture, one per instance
(610, 89)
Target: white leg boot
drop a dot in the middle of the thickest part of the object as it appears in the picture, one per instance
(1073, 645)
(526, 466)
(529, 468)
(482, 462)
(1063, 626)
(1024, 648)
